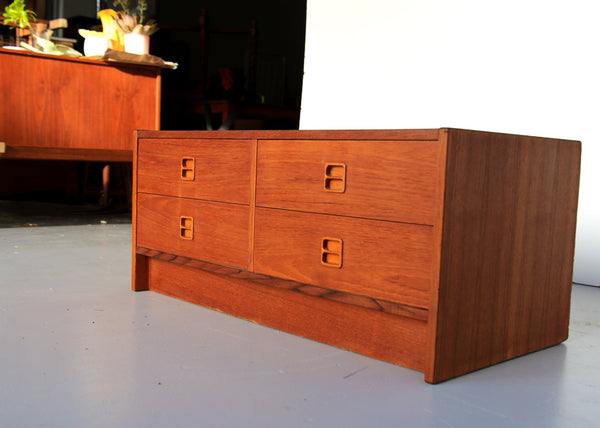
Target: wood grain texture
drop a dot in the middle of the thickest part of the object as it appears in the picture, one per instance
(507, 249)
(251, 220)
(222, 169)
(95, 155)
(75, 103)
(220, 232)
(354, 135)
(139, 264)
(387, 180)
(488, 280)
(384, 260)
(308, 289)
(430, 357)
(399, 340)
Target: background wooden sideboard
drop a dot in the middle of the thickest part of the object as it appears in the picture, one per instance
(67, 109)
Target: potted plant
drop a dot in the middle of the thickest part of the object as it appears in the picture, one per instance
(16, 16)
(124, 28)
(132, 24)
(97, 42)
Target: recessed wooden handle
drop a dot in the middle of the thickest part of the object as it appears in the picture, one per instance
(335, 177)
(186, 227)
(331, 252)
(188, 168)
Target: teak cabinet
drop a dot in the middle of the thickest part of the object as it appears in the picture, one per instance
(444, 251)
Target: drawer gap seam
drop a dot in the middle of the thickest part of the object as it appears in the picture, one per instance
(345, 216)
(196, 199)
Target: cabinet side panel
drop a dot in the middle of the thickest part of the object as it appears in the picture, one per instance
(507, 248)
(380, 335)
(436, 256)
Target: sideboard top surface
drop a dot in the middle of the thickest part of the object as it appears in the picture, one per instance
(95, 61)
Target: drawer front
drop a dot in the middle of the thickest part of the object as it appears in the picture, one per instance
(387, 180)
(215, 170)
(378, 259)
(208, 231)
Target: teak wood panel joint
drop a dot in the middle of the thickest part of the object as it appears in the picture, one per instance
(444, 251)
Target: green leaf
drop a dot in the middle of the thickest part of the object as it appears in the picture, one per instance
(17, 16)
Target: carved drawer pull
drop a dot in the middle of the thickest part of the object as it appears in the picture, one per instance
(335, 177)
(186, 227)
(331, 252)
(188, 168)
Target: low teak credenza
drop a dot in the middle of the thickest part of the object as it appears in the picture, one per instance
(442, 250)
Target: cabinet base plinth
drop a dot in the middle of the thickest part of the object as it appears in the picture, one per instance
(398, 340)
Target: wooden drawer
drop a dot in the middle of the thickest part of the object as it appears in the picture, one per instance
(201, 169)
(387, 180)
(210, 231)
(378, 259)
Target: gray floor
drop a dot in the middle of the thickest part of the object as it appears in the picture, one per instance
(79, 349)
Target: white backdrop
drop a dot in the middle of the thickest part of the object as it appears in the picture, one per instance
(518, 66)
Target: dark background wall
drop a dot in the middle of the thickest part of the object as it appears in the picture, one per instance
(281, 28)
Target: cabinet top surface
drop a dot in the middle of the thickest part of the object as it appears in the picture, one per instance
(379, 134)
(81, 60)
(330, 134)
